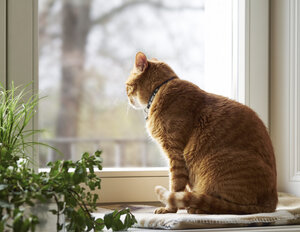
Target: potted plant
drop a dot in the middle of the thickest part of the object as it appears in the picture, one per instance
(68, 185)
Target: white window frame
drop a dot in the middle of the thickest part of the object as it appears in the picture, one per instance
(285, 86)
(137, 185)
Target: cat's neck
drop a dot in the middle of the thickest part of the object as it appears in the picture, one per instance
(152, 96)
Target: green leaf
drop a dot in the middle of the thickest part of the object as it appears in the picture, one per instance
(91, 184)
(127, 221)
(99, 221)
(113, 221)
(91, 169)
(79, 174)
(99, 224)
(85, 155)
(60, 227)
(118, 225)
(71, 201)
(98, 153)
(109, 220)
(2, 224)
(95, 198)
(53, 211)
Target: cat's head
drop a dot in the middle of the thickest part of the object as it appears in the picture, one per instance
(145, 76)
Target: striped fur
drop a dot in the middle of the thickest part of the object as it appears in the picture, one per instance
(220, 154)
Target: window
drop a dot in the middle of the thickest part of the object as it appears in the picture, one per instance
(249, 55)
(86, 51)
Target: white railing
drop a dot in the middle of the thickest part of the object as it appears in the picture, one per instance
(118, 144)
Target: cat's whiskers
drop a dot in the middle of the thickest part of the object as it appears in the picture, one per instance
(127, 110)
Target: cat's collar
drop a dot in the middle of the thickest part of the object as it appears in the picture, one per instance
(146, 109)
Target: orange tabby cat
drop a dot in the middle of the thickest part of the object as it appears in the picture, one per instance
(220, 154)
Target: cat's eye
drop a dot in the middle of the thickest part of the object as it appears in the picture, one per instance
(130, 88)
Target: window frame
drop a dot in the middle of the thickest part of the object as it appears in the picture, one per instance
(284, 99)
(137, 185)
(3, 42)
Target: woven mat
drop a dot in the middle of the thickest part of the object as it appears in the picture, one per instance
(287, 212)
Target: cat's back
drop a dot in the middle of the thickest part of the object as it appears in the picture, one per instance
(237, 126)
(217, 123)
(211, 118)
(182, 96)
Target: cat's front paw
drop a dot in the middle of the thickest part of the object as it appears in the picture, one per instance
(163, 210)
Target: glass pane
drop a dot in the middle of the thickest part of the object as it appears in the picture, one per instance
(86, 51)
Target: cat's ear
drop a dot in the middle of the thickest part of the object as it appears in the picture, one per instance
(141, 62)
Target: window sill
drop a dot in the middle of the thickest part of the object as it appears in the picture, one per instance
(131, 184)
(134, 172)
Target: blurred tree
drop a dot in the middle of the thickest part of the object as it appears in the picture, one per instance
(75, 25)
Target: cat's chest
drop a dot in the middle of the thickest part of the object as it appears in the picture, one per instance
(150, 128)
(154, 128)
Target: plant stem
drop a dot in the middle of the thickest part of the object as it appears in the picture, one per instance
(84, 208)
(58, 214)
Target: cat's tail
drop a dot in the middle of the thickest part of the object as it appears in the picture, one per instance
(203, 203)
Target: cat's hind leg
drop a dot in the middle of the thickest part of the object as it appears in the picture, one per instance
(163, 210)
(204, 203)
(191, 210)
